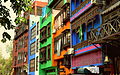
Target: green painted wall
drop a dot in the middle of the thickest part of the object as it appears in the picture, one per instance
(48, 65)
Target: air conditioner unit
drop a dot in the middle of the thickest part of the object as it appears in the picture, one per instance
(54, 31)
(93, 1)
(70, 50)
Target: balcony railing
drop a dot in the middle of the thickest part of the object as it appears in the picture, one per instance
(82, 44)
(80, 6)
(109, 3)
(84, 18)
(20, 30)
(63, 16)
(107, 31)
(66, 10)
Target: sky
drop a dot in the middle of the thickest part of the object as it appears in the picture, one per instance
(3, 46)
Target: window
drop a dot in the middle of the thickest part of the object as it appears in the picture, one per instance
(37, 63)
(62, 41)
(25, 56)
(15, 61)
(43, 54)
(43, 34)
(67, 62)
(66, 38)
(22, 42)
(48, 52)
(37, 28)
(55, 50)
(19, 58)
(59, 20)
(32, 48)
(33, 33)
(32, 65)
(58, 45)
(48, 30)
(25, 41)
(39, 11)
(37, 45)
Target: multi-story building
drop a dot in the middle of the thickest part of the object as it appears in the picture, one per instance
(61, 36)
(85, 15)
(34, 41)
(46, 58)
(107, 34)
(20, 49)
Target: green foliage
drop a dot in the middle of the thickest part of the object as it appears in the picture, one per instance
(18, 6)
(5, 64)
(20, 20)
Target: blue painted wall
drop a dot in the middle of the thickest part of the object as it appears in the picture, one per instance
(30, 57)
(44, 11)
(75, 36)
(75, 4)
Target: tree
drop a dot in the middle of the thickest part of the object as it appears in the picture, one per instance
(18, 6)
(5, 64)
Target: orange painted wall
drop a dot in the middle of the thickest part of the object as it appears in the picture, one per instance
(55, 57)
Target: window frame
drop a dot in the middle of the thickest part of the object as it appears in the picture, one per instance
(49, 31)
(37, 63)
(48, 52)
(33, 33)
(33, 48)
(43, 53)
(37, 27)
(32, 65)
(43, 34)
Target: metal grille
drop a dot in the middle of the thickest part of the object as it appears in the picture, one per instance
(87, 59)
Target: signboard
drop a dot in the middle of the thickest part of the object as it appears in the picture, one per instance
(93, 69)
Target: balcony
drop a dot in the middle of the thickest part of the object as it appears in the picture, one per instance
(63, 16)
(109, 3)
(21, 29)
(66, 10)
(80, 6)
(20, 61)
(108, 31)
(82, 44)
(83, 19)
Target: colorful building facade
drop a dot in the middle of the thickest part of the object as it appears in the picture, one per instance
(46, 67)
(85, 15)
(61, 36)
(107, 34)
(20, 50)
(69, 37)
(34, 40)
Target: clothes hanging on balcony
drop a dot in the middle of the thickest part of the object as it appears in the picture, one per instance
(58, 47)
(80, 32)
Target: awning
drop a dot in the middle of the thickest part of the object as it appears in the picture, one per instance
(111, 8)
